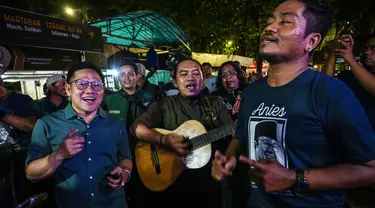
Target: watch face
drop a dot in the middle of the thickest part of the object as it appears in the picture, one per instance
(301, 191)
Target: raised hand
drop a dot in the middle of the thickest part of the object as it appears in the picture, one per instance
(269, 174)
(221, 167)
(71, 145)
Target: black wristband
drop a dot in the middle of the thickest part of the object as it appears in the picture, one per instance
(2, 114)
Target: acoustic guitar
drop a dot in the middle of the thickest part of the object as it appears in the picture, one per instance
(159, 167)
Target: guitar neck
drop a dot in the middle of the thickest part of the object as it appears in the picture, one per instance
(212, 136)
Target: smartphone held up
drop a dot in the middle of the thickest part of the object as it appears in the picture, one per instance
(342, 28)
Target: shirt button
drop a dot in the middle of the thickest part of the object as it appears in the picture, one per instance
(89, 159)
(88, 126)
(90, 177)
(89, 142)
(92, 194)
(87, 133)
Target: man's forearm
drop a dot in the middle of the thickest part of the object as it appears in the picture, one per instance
(126, 164)
(365, 78)
(329, 65)
(233, 148)
(340, 176)
(24, 124)
(42, 168)
(143, 133)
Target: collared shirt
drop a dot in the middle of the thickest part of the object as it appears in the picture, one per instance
(81, 180)
(44, 106)
(169, 113)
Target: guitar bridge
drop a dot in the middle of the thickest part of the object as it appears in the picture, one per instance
(155, 159)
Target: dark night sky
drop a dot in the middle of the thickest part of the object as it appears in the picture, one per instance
(96, 8)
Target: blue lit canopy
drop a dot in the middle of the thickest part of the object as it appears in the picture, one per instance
(141, 29)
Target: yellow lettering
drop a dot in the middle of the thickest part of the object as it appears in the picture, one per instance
(22, 20)
(7, 17)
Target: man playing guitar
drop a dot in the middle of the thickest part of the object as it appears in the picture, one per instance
(194, 188)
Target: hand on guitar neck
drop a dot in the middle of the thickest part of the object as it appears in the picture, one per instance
(177, 143)
(222, 167)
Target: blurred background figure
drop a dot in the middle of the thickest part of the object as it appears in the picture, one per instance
(55, 99)
(209, 79)
(170, 88)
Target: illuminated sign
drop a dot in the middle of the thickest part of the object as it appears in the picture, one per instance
(18, 27)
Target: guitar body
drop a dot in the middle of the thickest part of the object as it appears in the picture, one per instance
(158, 167)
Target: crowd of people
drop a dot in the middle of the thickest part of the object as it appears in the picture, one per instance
(302, 138)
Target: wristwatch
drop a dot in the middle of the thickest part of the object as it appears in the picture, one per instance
(301, 187)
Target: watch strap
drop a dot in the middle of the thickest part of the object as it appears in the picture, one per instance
(300, 177)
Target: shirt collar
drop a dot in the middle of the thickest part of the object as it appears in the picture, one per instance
(70, 113)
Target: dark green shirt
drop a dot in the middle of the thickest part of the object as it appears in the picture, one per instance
(127, 107)
(45, 107)
(169, 113)
(81, 181)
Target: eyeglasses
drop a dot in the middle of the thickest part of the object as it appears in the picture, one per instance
(228, 74)
(83, 84)
(366, 47)
(130, 75)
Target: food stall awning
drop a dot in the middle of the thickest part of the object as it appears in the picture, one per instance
(141, 29)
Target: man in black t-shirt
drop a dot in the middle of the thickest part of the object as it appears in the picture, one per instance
(193, 188)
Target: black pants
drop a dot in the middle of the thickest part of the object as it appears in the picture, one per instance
(193, 188)
(6, 196)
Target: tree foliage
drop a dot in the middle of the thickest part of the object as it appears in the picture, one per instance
(210, 24)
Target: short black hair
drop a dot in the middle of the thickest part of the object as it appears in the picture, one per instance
(318, 18)
(206, 63)
(83, 65)
(176, 68)
(129, 63)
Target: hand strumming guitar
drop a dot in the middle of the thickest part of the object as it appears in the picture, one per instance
(177, 143)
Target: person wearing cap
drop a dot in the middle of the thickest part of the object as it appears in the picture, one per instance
(55, 96)
(145, 85)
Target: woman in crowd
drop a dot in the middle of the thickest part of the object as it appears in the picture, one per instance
(230, 84)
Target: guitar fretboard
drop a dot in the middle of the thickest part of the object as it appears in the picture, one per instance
(211, 136)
